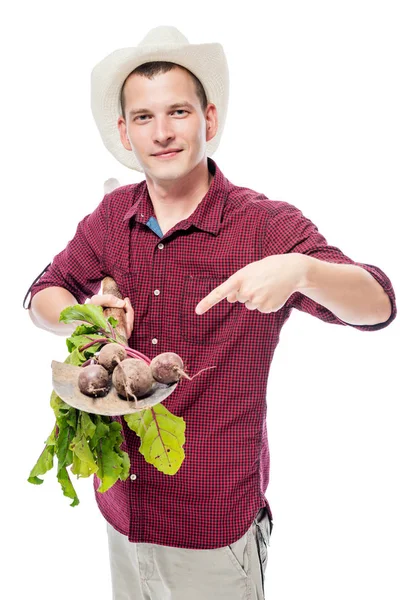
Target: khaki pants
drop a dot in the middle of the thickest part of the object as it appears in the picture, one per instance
(155, 572)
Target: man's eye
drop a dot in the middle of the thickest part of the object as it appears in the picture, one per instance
(177, 110)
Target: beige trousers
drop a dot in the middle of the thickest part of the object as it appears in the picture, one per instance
(154, 572)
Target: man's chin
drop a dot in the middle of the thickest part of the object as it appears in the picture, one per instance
(167, 169)
(164, 173)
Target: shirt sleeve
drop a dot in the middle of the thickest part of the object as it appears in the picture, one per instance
(79, 267)
(291, 231)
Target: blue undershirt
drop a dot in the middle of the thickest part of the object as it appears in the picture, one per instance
(154, 226)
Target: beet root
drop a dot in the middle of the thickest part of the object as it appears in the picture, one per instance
(110, 355)
(94, 381)
(132, 378)
(167, 368)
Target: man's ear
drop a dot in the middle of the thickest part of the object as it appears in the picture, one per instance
(122, 134)
(211, 122)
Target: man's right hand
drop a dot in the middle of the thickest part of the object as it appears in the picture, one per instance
(110, 301)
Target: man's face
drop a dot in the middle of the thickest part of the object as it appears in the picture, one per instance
(160, 128)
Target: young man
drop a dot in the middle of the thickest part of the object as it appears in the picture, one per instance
(212, 272)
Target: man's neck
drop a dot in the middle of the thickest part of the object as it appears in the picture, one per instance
(178, 201)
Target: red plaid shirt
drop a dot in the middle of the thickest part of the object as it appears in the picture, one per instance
(211, 501)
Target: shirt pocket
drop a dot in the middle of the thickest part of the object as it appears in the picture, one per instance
(217, 324)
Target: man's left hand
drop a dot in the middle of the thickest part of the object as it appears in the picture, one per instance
(264, 285)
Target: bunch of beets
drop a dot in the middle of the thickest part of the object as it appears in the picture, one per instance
(132, 374)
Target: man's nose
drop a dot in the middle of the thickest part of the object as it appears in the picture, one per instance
(163, 131)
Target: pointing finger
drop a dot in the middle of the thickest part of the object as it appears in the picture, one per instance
(217, 294)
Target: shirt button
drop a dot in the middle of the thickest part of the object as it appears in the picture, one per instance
(133, 477)
(160, 246)
(156, 292)
(154, 341)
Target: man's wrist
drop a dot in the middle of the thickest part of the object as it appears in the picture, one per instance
(305, 270)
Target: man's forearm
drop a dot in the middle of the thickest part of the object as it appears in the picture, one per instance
(46, 307)
(348, 291)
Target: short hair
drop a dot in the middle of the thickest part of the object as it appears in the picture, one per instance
(150, 69)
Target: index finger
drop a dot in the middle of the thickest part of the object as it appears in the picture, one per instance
(217, 294)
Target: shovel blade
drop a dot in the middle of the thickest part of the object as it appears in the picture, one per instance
(65, 384)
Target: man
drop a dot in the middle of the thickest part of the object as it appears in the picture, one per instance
(211, 271)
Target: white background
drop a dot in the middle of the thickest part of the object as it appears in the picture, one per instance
(313, 120)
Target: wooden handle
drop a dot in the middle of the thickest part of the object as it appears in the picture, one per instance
(108, 286)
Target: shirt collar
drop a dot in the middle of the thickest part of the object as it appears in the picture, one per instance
(207, 215)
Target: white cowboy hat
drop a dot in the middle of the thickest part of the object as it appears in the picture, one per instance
(163, 43)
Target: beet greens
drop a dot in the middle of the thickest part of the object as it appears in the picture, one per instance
(92, 444)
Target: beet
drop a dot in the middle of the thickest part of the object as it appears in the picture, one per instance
(132, 378)
(94, 381)
(167, 368)
(110, 355)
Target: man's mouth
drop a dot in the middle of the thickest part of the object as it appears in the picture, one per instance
(167, 154)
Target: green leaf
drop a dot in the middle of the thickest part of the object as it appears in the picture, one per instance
(57, 404)
(76, 341)
(162, 437)
(110, 465)
(76, 358)
(113, 462)
(80, 330)
(112, 321)
(88, 427)
(115, 435)
(72, 417)
(102, 429)
(83, 461)
(80, 448)
(125, 463)
(67, 487)
(139, 421)
(64, 453)
(85, 329)
(80, 468)
(89, 352)
(45, 460)
(84, 312)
